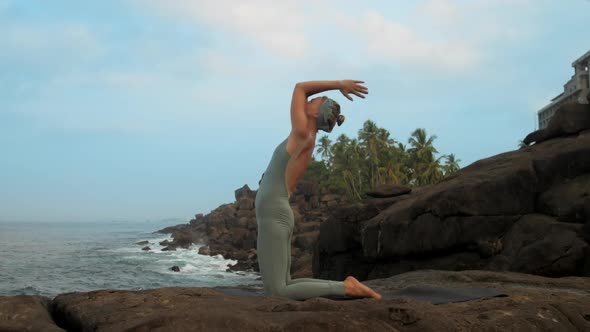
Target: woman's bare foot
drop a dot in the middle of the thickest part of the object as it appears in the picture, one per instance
(355, 288)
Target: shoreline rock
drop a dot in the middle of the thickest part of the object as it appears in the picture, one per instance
(532, 303)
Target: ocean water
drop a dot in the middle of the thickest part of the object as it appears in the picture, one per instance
(52, 258)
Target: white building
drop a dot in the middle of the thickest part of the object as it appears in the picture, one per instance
(577, 89)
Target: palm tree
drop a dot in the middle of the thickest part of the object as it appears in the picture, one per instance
(370, 141)
(339, 163)
(422, 159)
(451, 164)
(421, 144)
(352, 166)
(324, 148)
(351, 171)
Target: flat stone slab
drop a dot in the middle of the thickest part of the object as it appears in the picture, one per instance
(531, 303)
(26, 313)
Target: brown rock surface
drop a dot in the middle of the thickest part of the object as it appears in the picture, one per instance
(568, 119)
(26, 313)
(521, 211)
(388, 190)
(531, 303)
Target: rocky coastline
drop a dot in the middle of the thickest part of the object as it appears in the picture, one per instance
(518, 222)
(525, 211)
(529, 303)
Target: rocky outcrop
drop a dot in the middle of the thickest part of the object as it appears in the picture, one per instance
(520, 211)
(388, 190)
(530, 303)
(27, 313)
(231, 230)
(526, 210)
(569, 119)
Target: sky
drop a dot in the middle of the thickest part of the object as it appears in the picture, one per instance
(140, 110)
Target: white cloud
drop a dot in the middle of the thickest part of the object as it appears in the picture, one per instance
(440, 12)
(277, 26)
(437, 36)
(31, 41)
(397, 42)
(451, 17)
(174, 82)
(451, 36)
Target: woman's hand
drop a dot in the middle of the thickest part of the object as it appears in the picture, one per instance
(352, 86)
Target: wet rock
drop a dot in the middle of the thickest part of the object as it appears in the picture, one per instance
(204, 251)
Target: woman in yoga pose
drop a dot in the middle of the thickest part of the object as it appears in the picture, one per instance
(273, 213)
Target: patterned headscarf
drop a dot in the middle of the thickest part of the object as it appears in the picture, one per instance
(329, 115)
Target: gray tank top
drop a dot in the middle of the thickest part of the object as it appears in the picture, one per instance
(272, 183)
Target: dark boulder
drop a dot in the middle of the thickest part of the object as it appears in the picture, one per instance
(568, 201)
(520, 211)
(568, 119)
(204, 251)
(388, 190)
(306, 240)
(199, 219)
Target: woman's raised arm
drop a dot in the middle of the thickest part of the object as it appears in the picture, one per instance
(303, 90)
(312, 87)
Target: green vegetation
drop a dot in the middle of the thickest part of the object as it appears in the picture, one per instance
(353, 166)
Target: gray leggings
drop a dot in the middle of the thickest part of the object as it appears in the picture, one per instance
(275, 228)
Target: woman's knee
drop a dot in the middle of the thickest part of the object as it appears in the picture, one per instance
(276, 289)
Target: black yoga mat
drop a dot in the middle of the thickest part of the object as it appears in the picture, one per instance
(435, 295)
